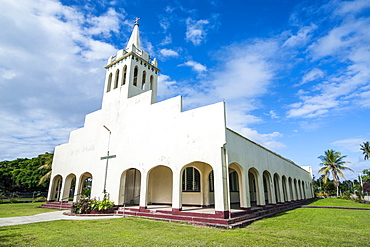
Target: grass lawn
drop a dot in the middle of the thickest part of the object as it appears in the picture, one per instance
(334, 202)
(22, 209)
(300, 227)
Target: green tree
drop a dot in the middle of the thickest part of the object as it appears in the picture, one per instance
(365, 148)
(48, 160)
(333, 164)
(23, 174)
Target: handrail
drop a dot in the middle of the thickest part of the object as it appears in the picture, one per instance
(124, 204)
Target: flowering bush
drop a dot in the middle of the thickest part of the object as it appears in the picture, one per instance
(85, 205)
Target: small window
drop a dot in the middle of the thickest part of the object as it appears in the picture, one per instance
(151, 82)
(116, 80)
(143, 80)
(135, 76)
(190, 180)
(109, 85)
(124, 75)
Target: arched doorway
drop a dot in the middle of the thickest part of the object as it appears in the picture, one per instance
(56, 188)
(85, 185)
(277, 188)
(236, 188)
(303, 190)
(295, 189)
(130, 187)
(285, 192)
(254, 194)
(291, 189)
(160, 185)
(69, 188)
(267, 187)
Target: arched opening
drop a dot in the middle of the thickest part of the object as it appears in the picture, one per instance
(116, 79)
(130, 187)
(295, 189)
(56, 188)
(291, 189)
(277, 188)
(160, 185)
(211, 182)
(109, 84)
(151, 82)
(197, 187)
(69, 188)
(267, 187)
(304, 191)
(237, 187)
(136, 72)
(253, 187)
(85, 185)
(285, 193)
(299, 189)
(124, 75)
(234, 189)
(143, 80)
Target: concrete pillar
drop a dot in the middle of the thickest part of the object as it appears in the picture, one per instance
(144, 190)
(221, 173)
(260, 190)
(176, 190)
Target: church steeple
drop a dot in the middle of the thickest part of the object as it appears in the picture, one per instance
(130, 72)
(135, 37)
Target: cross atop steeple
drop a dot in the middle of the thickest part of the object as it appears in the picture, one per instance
(135, 36)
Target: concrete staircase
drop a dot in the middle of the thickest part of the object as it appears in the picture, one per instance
(236, 219)
(57, 205)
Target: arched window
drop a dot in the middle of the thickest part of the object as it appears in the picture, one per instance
(151, 82)
(143, 80)
(116, 79)
(136, 71)
(109, 85)
(124, 75)
(191, 180)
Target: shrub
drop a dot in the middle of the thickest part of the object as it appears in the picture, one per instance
(13, 200)
(85, 205)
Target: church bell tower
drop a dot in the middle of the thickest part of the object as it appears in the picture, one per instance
(131, 71)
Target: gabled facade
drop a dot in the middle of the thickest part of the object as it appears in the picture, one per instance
(144, 152)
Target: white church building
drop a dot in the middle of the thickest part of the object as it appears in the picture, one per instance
(143, 152)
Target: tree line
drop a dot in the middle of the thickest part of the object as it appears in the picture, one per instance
(26, 175)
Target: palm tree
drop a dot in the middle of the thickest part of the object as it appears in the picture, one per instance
(48, 160)
(333, 164)
(365, 148)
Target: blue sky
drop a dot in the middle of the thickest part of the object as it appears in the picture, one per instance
(294, 74)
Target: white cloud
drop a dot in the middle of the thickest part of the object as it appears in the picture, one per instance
(302, 37)
(197, 67)
(168, 53)
(347, 46)
(44, 47)
(312, 75)
(196, 31)
(351, 7)
(351, 145)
